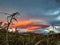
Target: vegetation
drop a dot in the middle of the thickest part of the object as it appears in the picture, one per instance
(28, 38)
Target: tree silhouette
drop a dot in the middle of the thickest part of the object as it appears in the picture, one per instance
(1, 24)
(9, 21)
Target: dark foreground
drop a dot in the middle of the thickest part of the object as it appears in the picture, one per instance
(29, 39)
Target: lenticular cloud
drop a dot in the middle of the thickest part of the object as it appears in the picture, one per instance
(30, 25)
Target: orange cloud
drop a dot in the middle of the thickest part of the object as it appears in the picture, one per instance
(29, 25)
(33, 27)
(21, 23)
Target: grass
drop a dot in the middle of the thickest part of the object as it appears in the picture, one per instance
(29, 38)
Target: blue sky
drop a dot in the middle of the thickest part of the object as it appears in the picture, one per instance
(48, 10)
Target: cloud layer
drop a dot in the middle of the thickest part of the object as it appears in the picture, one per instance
(30, 25)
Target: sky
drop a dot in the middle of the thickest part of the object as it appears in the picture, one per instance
(47, 11)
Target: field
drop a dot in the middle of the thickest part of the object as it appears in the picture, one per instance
(28, 38)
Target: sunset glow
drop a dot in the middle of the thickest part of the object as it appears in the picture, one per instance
(33, 27)
(21, 23)
(30, 25)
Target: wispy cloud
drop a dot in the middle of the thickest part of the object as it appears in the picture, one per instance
(52, 12)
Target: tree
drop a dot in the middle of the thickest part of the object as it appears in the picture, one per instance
(1, 24)
(9, 21)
